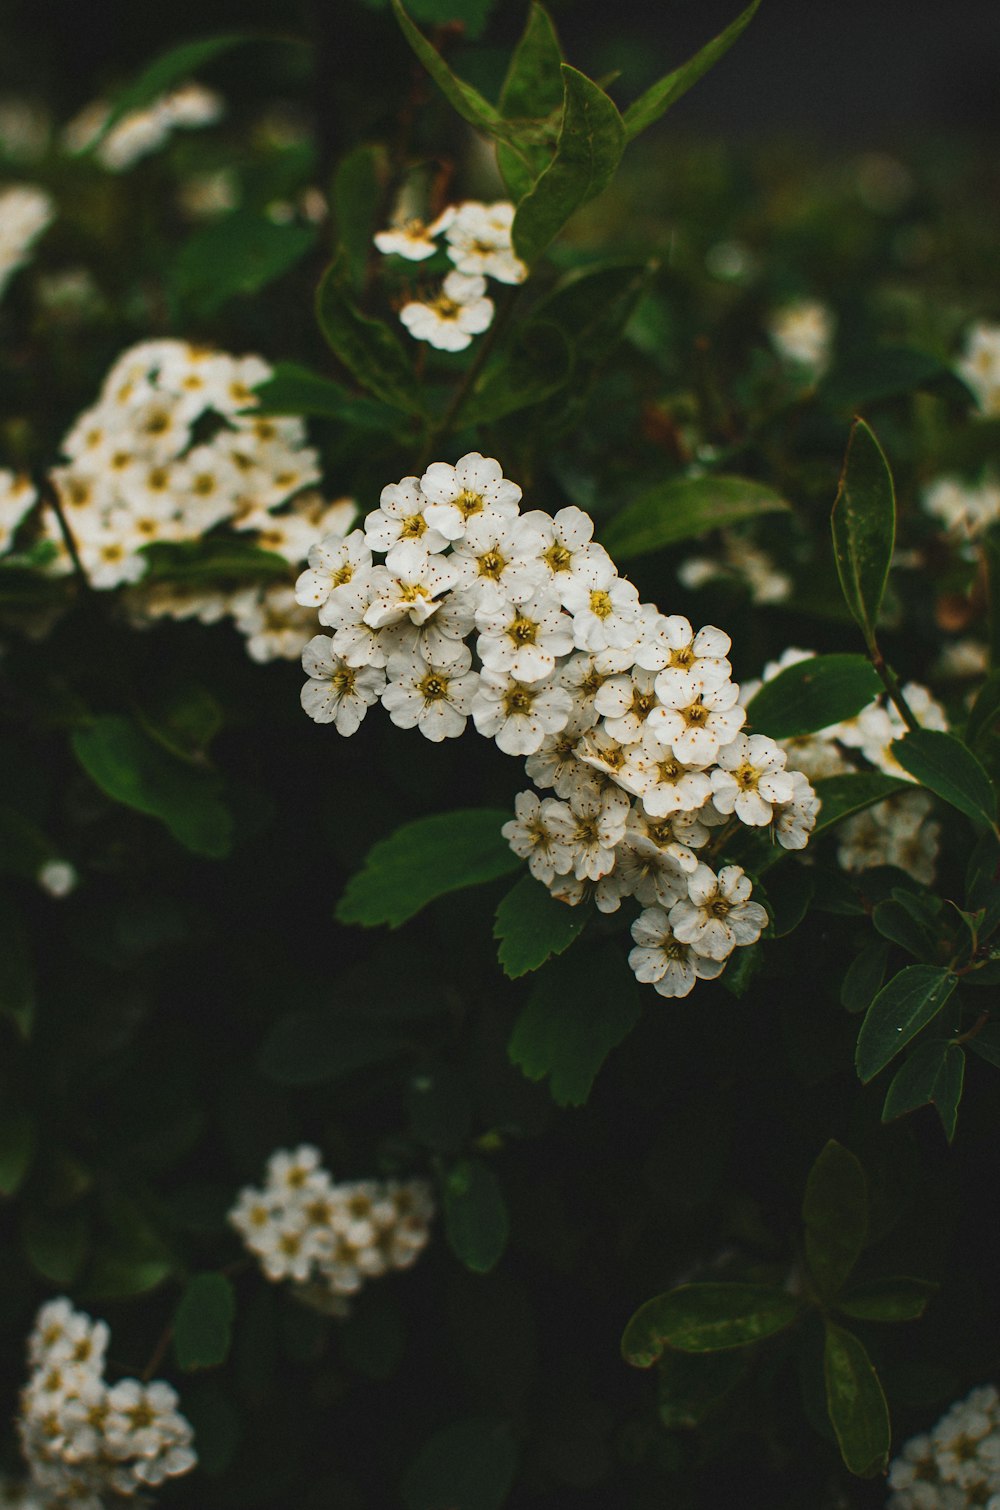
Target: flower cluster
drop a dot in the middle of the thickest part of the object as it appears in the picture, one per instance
(140, 132)
(478, 242)
(965, 509)
(25, 212)
(328, 1239)
(802, 332)
(741, 562)
(17, 498)
(979, 367)
(629, 715)
(898, 831)
(85, 1439)
(956, 1464)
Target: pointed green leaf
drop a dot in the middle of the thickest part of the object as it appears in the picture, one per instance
(899, 1298)
(933, 1075)
(813, 694)
(175, 67)
(56, 1243)
(534, 368)
(367, 348)
(427, 859)
(864, 977)
(469, 103)
(893, 921)
(946, 767)
(591, 139)
(684, 509)
(239, 253)
(468, 1466)
(294, 389)
(476, 1223)
(659, 97)
(856, 1403)
(593, 305)
(864, 527)
(707, 1318)
(533, 88)
(216, 560)
(841, 796)
(203, 1322)
(531, 926)
(911, 1000)
(580, 1009)
(358, 186)
(882, 372)
(835, 1212)
(135, 770)
(691, 1386)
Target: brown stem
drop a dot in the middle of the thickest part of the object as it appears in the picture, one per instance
(889, 680)
(49, 494)
(975, 1030)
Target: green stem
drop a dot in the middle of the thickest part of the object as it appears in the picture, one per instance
(471, 374)
(891, 685)
(49, 494)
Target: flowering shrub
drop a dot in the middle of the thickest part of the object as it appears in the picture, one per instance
(657, 1076)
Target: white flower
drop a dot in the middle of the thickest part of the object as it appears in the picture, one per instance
(334, 561)
(523, 639)
(663, 783)
(436, 700)
(589, 827)
(695, 726)
(625, 702)
(532, 837)
(605, 615)
(408, 587)
(962, 507)
(803, 332)
(459, 312)
(669, 641)
(57, 877)
(336, 692)
(795, 819)
(660, 959)
(497, 559)
(25, 212)
(275, 626)
(518, 715)
(979, 367)
(568, 550)
(750, 777)
(717, 916)
(479, 241)
(555, 760)
(897, 831)
(411, 238)
(400, 517)
(17, 497)
(457, 493)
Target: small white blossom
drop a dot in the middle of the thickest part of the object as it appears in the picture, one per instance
(436, 700)
(336, 692)
(519, 715)
(660, 959)
(449, 321)
(717, 915)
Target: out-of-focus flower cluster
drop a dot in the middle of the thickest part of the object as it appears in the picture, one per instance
(329, 1239)
(898, 831)
(25, 212)
(965, 509)
(86, 1440)
(478, 242)
(956, 1464)
(138, 133)
(629, 715)
(979, 366)
(802, 332)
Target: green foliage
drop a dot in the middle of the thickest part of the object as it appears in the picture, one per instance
(358, 188)
(864, 977)
(693, 1386)
(366, 347)
(172, 67)
(239, 254)
(203, 1322)
(426, 859)
(707, 1318)
(856, 1402)
(536, 366)
(932, 1075)
(476, 1222)
(898, 1298)
(467, 1466)
(667, 91)
(864, 527)
(295, 389)
(533, 86)
(903, 1007)
(946, 767)
(835, 1213)
(884, 372)
(685, 509)
(532, 926)
(812, 695)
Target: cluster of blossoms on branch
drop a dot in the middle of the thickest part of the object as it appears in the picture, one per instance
(25, 212)
(329, 1239)
(85, 1440)
(628, 715)
(478, 243)
(957, 1463)
(898, 831)
(138, 133)
(979, 367)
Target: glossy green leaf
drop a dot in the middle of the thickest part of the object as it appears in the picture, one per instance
(56, 1243)
(476, 1222)
(239, 253)
(841, 796)
(893, 921)
(835, 1213)
(984, 716)
(686, 508)
(864, 527)
(470, 104)
(946, 767)
(426, 859)
(468, 1466)
(813, 694)
(591, 140)
(692, 1386)
(173, 67)
(17, 1146)
(582, 1007)
(531, 926)
(533, 87)
(856, 1403)
(358, 187)
(367, 348)
(17, 970)
(216, 561)
(203, 1322)
(864, 977)
(317, 1047)
(294, 389)
(898, 1298)
(593, 305)
(659, 97)
(707, 1318)
(909, 1001)
(132, 1260)
(934, 1074)
(534, 368)
(134, 770)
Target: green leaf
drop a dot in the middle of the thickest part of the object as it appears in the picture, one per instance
(864, 527)
(813, 694)
(170, 68)
(17, 970)
(533, 87)
(593, 305)
(581, 1008)
(316, 1047)
(469, 103)
(707, 1318)
(203, 1322)
(946, 767)
(984, 716)
(133, 1260)
(895, 922)
(56, 1243)
(843, 795)
(898, 1298)
(294, 389)
(911, 1000)
(470, 1465)
(531, 370)
(476, 1223)
(934, 1074)
(216, 560)
(684, 509)
(659, 97)
(424, 860)
(134, 770)
(367, 348)
(17, 1147)
(358, 186)
(856, 1403)
(883, 372)
(835, 1213)
(691, 1386)
(591, 140)
(864, 977)
(238, 253)
(531, 926)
